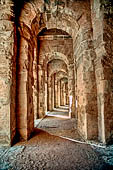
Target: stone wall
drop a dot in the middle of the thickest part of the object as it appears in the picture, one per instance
(103, 40)
(27, 51)
(35, 87)
(85, 77)
(25, 91)
(78, 33)
(7, 74)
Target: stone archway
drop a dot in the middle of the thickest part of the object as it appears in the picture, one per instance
(86, 52)
(54, 67)
(52, 48)
(85, 68)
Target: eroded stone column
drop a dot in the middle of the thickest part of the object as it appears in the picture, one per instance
(61, 93)
(87, 98)
(52, 92)
(7, 75)
(35, 94)
(41, 100)
(86, 81)
(71, 91)
(100, 100)
(58, 90)
(45, 91)
(25, 109)
(22, 105)
(64, 94)
(49, 94)
(67, 98)
(103, 40)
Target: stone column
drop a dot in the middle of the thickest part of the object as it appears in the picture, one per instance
(30, 84)
(71, 91)
(40, 92)
(35, 97)
(64, 94)
(49, 93)
(61, 93)
(45, 91)
(67, 98)
(52, 92)
(22, 104)
(86, 81)
(100, 100)
(58, 90)
(103, 43)
(76, 98)
(7, 75)
(25, 109)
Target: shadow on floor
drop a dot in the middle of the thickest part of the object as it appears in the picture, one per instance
(62, 111)
(45, 151)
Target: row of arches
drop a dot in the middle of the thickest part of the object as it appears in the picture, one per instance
(70, 44)
(58, 42)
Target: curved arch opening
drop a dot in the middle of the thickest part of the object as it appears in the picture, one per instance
(67, 39)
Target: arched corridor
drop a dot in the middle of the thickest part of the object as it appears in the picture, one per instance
(56, 60)
(54, 69)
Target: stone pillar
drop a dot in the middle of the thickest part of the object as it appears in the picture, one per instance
(49, 94)
(40, 92)
(52, 92)
(22, 104)
(7, 75)
(64, 94)
(76, 98)
(61, 93)
(100, 100)
(58, 90)
(35, 97)
(102, 15)
(71, 91)
(87, 99)
(30, 84)
(67, 98)
(45, 92)
(25, 109)
(86, 81)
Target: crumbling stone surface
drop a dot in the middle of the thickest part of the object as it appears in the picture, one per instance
(36, 33)
(103, 65)
(7, 80)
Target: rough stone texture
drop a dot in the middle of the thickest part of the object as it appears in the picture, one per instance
(7, 77)
(55, 53)
(86, 82)
(35, 72)
(45, 151)
(102, 35)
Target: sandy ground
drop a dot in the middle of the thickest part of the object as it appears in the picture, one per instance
(47, 151)
(60, 127)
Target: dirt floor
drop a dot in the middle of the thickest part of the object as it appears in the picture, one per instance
(58, 123)
(60, 127)
(47, 151)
